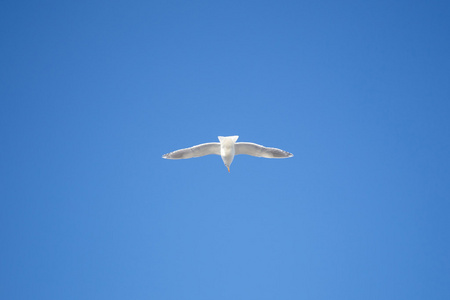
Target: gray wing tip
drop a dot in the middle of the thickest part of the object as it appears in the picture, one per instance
(284, 154)
(287, 154)
(166, 156)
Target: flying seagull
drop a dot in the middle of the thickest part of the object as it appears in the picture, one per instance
(228, 148)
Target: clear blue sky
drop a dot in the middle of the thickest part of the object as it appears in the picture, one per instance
(94, 92)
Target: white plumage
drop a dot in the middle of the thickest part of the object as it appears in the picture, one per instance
(227, 149)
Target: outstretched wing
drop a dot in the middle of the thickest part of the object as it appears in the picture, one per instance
(196, 151)
(260, 151)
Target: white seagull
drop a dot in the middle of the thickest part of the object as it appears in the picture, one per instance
(228, 148)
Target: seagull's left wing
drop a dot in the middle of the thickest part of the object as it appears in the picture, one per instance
(260, 151)
(196, 151)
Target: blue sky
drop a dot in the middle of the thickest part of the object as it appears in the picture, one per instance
(94, 92)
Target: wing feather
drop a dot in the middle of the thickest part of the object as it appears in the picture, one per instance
(260, 151)
(196, 151)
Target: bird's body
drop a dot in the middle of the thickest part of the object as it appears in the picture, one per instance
(227, 149)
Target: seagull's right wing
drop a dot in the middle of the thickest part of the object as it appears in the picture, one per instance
(196, 151)
(260, 151)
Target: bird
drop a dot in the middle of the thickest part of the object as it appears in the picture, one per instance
(227, 149)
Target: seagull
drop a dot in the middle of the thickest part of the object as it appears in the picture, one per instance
(228, 148)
